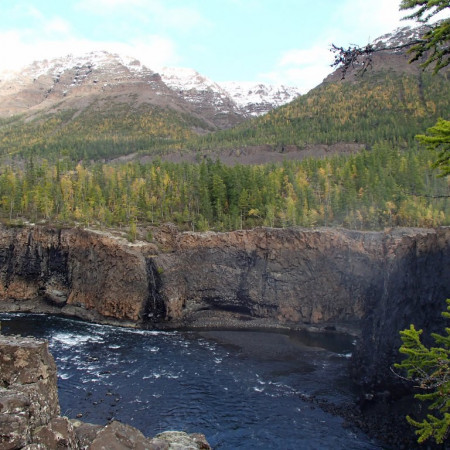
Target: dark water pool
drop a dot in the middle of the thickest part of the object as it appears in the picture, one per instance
(241, 389)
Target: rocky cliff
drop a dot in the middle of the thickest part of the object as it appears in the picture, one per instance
(29, 409)
(82, 273)
(377, 282)
(416, 283)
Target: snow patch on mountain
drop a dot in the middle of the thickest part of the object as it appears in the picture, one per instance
(185, 79)
(400, 37)
(260, 97)
(104, 69)
(86, 63)
(251, 98)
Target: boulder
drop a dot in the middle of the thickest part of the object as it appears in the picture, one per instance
(118, 436)
(179, 440)
(57, 434)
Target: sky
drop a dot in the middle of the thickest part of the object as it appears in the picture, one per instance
(272, 41)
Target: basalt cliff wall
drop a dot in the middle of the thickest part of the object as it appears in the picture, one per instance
(374, 282)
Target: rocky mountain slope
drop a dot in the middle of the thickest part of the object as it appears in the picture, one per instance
(393, 100)
(73, 81)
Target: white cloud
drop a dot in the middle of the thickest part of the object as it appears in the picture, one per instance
(106, 6)
(53, 36)
(31, 11)
(361, 21)
(303, 68)
(180, 18)
(152, 50)
(57, 25)
(356, 22)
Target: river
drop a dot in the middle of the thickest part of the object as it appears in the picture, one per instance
(242, 389)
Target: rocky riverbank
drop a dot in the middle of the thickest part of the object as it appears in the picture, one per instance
(368, 283)
(30, 413)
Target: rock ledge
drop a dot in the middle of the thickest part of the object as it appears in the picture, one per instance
(29, 409)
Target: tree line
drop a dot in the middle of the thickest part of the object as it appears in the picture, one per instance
(377, 188)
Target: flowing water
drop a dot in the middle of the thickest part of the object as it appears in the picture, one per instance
(242, 389)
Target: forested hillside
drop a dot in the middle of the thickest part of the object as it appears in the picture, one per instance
(383, 105)
(98, 132)
(373, 189)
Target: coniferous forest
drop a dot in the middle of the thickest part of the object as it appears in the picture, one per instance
(376, 188)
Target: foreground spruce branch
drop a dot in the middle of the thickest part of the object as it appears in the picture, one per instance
(429, 369)
(432, 47)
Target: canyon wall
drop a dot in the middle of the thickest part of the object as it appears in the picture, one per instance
(75, 272)
(374, 282)
(289, 276)
(416, 283)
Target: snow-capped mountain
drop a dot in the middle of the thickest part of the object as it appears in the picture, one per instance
(74, 81)
(400, 37)
(203, 94)
(252, 99)
(258, 98)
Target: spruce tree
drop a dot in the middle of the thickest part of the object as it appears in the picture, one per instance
(429, 369)
(438, 138)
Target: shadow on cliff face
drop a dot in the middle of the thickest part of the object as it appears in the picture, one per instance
(154, 309)
(414, 290)
(415, 286)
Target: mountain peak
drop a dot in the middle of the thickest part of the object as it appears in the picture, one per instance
(184, 79)
(402, 36)
(92, 60)
(262, 97)
(101, 74)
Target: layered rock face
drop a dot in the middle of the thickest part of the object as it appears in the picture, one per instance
(29, 409)
(291, 276)
(378, 282)
(82, 273)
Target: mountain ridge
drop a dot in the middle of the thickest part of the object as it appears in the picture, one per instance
(393, 100)
(101, 70)
(103, 106)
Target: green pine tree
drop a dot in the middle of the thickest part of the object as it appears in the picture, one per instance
(438, 138)
(433, 42)
(429, 368)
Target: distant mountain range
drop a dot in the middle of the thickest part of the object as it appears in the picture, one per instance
(77, 81)
(105, 106)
